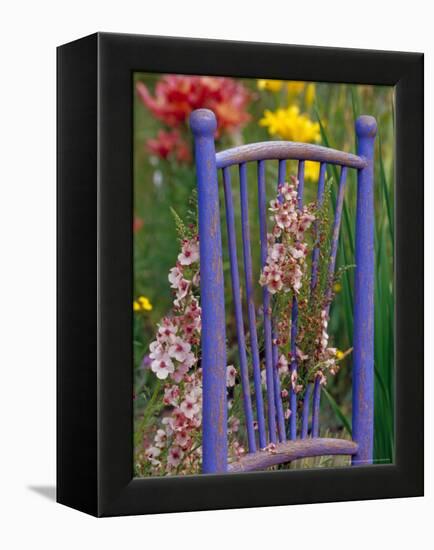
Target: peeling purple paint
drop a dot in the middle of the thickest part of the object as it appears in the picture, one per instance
(292, 450)
(251, 306)
(232, 243)
(363, 342)
(203, 125)
(214, 446)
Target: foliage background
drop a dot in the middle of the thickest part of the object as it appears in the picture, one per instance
(160, 184)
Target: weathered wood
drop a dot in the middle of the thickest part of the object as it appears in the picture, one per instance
(203, 124)
(236, 296)
(245, 233)
(305, 414)
(292, 450)
(273, 382)
(269, 150)
(214, 423)
(315, 407)
(335, 235)
(363, 340)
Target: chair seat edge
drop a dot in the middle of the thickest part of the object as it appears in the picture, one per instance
(292, 450)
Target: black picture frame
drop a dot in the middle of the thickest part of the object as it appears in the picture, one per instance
(95, 199)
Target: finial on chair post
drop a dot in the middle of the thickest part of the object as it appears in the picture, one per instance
(203, 124)
(366, 127)
(363, 340)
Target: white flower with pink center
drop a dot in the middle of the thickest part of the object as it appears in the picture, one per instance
(179, 349)
(190, 407)
(171, 396)
(298, 251)
(160, 439)
(179, 373)
(183, 288)
(175, 276)
(152, 453)
(157, 350)
(182, 439)
(162, 367)
(189, 253)
(282, 365)
(275, 284)
(167, 331)
(175, 456)
(276, 252)
(231, 374)
(169, 424)
(274, 205)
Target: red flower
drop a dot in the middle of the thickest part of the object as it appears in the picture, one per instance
(169, 144)
(177, 95)
(137, 224)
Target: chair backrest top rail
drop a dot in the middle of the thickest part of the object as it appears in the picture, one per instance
(287, 150)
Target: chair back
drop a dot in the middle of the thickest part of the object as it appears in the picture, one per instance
(269, 415)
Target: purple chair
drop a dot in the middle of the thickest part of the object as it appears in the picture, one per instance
(272, 428)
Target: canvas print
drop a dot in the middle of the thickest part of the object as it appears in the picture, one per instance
(263, 303)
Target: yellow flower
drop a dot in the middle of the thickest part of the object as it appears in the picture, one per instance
(270, 85)
(290, 124)
(337, 287)
(142, 304)
(309, 95)
(145, 303)
(311, 170)
(294, 88)
(340, 354)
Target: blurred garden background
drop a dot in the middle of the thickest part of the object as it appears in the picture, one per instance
(250, 110)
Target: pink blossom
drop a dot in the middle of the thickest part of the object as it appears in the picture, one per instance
(175, 276)
(189, 407)
(183, 288)
(152, 454)
(179, 373)
(282, 365)
(160, 439)
(157, 350)
(276, 251)
(162, 367)
(166, 331)
(189, 253)
(182, 439)
(175, 455)
(230, 376)
(179, 349)
(171, 395)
